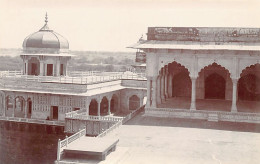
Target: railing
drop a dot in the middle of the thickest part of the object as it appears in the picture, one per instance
(68, 140)
(82, 73)
(30, 120)
(10, 73)
(115, 126)
(133, 114)
(81, 78)
(84, 116)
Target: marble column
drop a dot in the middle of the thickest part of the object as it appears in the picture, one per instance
(234, 96)
(25, 109)
(41, 68)
(99, 102)
(166, 86)
(154, 104)
(58, 68)
(193, 94)
(163, 87)
(4, 106)
(158, 90)
(148, 102)
(109, 107)
(26, 67)
(170, 86)
(14, 104)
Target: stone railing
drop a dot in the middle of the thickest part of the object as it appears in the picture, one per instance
(204, 114)
(67, 141)
(10, 73)
(115, 126)
(84, 116)
(133, 114)
(122, 121)
(30, 120)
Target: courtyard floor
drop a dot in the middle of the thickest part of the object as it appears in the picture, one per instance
(148, 140)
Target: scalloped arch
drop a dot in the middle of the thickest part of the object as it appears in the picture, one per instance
(214, 63)
(179, 64)
(247, 67)
(178, 61)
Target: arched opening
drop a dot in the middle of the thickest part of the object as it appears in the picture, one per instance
(9, 106)
(181, 85)
(249, 88)
(104, 106)
(93, 108)
(215, 86)
(29, 107)
(134, 102)
(33, 66)
(19, 106)
(114, 104)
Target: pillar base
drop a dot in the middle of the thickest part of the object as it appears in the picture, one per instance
(193, 106)
(233, 109)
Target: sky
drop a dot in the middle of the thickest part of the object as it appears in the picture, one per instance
(112, 25)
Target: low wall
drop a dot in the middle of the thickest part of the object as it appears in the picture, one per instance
(93, 128)
(205, 115)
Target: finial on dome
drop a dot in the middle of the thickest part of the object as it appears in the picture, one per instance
(141, 39)
(46, 18)
(45, 27)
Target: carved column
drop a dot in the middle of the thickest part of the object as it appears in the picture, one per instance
(109, 106)
(4, 104)
(26, 67)
(193, 94)
(166, 86)
(158, 90)
(14, 104)
(87, 107)
(163, 86)
(148, 103)
(58, 67)
(154, 104)
(99, 102)
(234, 96)
(41, 68)
(170, 86)
(25, 108)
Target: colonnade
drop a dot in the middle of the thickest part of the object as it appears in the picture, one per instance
(159, 88)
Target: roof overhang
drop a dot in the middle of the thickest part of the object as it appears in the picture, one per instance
(153, 44)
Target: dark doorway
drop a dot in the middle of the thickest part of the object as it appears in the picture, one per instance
(49, 69)
(55, 112)
(249, 88)
(34, 69)
(61, 70)
(93, 108)
(215, 86)
(30, 107)
(181, 85)
(134, 102)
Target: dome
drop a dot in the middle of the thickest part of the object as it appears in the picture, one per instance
(45, 39)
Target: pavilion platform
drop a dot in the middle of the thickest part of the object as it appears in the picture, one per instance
(207, 109)
(87, 148)
(211, 105)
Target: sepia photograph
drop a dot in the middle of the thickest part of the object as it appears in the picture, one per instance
(129, 82)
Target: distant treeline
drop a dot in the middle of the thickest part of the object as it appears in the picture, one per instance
(81, 61)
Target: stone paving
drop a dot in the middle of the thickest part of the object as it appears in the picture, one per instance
(146, 140)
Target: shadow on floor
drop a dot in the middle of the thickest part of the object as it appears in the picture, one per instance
(142, 120)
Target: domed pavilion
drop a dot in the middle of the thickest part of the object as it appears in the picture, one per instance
(45, 53)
